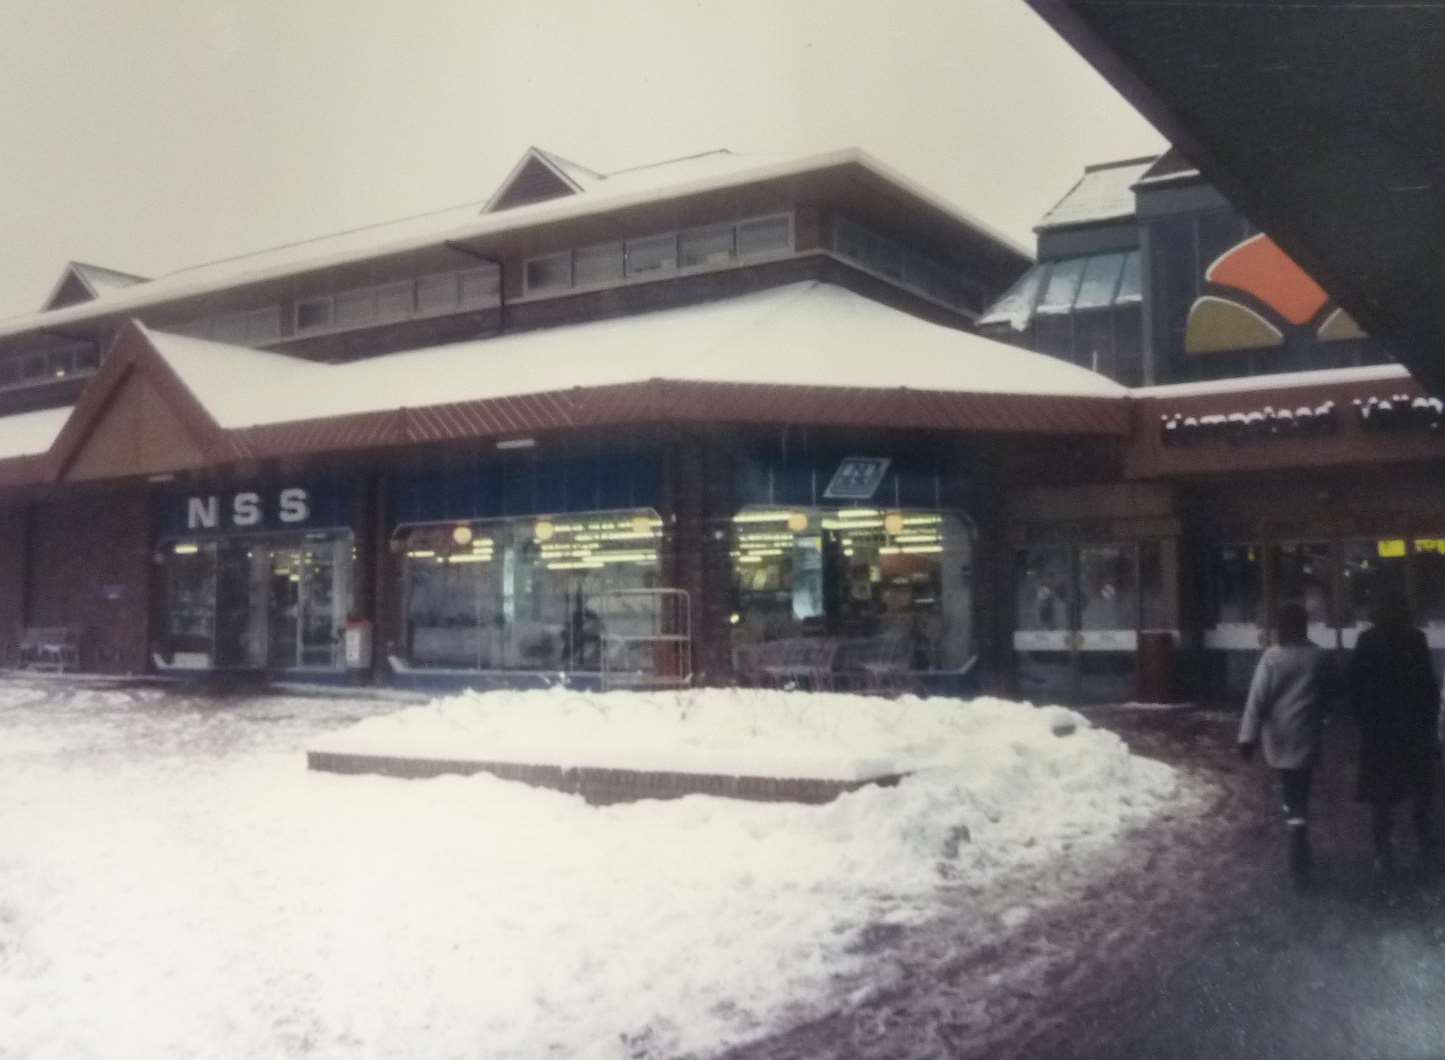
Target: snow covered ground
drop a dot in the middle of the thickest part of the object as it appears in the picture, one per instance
(174, 883)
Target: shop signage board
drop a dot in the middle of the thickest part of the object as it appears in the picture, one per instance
(254, 507)
(857, 478)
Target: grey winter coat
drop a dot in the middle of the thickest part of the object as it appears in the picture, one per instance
(1293, 688)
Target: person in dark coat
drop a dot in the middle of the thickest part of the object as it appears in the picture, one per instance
(1394, 695)
(1294, 686)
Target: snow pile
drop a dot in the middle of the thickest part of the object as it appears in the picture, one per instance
(733, 732)
(174, 883)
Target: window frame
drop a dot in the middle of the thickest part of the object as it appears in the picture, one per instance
(627, 277)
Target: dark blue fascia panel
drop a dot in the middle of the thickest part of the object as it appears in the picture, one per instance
(767, 476)
(525, 486)
(274, 503)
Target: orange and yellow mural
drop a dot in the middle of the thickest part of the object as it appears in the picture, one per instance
(1258, 296)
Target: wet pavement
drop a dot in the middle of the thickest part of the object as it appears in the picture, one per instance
(1192, 945)
(1351, 967)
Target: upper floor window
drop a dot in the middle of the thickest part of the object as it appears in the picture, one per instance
(389, 303)
(34, 367)
(706, 247)
(252, 327)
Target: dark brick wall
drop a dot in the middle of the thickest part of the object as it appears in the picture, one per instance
(13, 522)
(700, 493)
(90, 567)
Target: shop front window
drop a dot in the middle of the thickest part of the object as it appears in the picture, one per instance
(1239, 586)
(528, 594)
(276, 601)
(1430, 580)
(874, 583)
(1302, 576)
(1370, 571)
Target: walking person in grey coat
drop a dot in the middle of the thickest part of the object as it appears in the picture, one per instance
(1292, 691)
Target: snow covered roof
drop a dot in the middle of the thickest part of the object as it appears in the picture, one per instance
(1278, 381)
(1103, 193)
(806, 334)
(31, 433)
(698, 174)
(1170, 167)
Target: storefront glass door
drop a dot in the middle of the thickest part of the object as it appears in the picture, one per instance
(1076, 621)
(267, 602)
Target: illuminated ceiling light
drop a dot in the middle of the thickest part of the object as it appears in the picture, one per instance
(420, 553)
(642, 525)
(797, 522)
(544, 530)
(762, 517)
(859, 513)
(914, 550)
(462, 534)
(186, 549)
(893, 522)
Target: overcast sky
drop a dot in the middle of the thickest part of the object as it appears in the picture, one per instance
(153, 134)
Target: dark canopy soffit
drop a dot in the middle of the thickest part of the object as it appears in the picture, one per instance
(1320, 120)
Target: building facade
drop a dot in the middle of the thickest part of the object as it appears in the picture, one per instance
(1277, 453)
(791, 422)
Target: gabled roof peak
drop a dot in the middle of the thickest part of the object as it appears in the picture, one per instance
(538, 176)
(541, 175)
(80, 282)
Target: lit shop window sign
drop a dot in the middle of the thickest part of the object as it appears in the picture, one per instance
(247, 509)
(857, 478)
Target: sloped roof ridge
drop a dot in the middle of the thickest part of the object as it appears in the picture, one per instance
(323, 237)
(673, 161)
(566, 164)
(1119, 163)
(1103, 193)
(88, 269)
(468, 224)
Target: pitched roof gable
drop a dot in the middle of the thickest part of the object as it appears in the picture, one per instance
(538, 176)
(136, 396)
(80, 282)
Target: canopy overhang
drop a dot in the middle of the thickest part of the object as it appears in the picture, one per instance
(1320, 120)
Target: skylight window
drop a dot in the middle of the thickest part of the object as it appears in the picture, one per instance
(1063, 286)
(1101, 280)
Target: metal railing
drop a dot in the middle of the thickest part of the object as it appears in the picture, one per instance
(646, 638)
